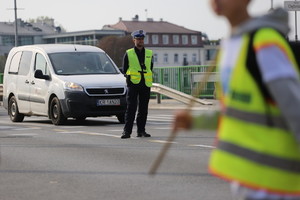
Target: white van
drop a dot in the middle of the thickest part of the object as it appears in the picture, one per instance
(61, 82)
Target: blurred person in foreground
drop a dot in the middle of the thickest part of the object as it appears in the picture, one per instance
(257, 146)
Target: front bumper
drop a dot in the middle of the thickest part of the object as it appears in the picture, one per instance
(79, 104)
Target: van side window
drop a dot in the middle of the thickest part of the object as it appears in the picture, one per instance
(15, 61)
(25, 62)
(41, 63)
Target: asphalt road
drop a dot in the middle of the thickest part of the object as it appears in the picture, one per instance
(40, 161)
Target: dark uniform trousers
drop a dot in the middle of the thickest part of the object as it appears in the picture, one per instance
(138, 96)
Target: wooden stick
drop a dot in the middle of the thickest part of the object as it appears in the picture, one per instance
(173, 134)
(163, 152)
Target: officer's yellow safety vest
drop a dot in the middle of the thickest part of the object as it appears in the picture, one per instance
(135, 70)
(255, 146)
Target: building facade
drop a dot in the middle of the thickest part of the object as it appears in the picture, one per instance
(44, 32)
(27, 33)
(172, 45)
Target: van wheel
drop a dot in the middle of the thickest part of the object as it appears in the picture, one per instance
(121, 118)
(56, 114)
(13, 110)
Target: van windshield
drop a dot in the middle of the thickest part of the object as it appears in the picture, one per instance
(78, 63)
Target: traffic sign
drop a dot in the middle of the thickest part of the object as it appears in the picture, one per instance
(292, 5)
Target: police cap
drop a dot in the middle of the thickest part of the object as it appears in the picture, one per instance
(138, 34)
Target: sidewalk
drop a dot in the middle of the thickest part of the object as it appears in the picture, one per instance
(174, 104)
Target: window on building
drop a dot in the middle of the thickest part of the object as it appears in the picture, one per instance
(176, 59)
(154, 39)
(194, 58)
(146, 39)
(166, 58)
(185, 39)
(194, 39)
(185, 59)
(25, 40)
(175, 39)
(50, 41)
(67, 40)
(41, 63)
(155, 58)
(165, 39)
(8, 40)
(210, 53)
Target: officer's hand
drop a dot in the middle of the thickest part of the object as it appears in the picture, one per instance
(183, 121)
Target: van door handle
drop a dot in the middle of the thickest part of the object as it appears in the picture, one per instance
(32, 82)
(27, 81)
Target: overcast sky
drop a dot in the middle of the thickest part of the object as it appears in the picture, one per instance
(75, 15)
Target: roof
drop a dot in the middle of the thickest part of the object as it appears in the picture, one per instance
(151, 27)
(25, 28)
(56, 48)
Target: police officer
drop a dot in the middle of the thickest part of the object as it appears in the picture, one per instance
(137, 67)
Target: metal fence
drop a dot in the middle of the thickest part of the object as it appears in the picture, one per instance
(180, 78)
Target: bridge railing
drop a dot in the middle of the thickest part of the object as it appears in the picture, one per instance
(182, 79)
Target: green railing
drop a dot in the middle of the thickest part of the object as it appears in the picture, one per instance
(179, 78)
(1, 78)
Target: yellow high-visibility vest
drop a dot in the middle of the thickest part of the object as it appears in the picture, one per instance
(255, 146)
(135, 70)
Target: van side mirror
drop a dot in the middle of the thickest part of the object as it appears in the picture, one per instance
(39, 74)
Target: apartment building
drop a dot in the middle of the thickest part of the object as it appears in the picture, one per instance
(173, 45)
(28, 33)
(44, 32)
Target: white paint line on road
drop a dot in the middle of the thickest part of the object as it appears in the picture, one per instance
(88, 133)
(117, 130)
(22, 135)
(201, 145)
(24, 129)
(162, 141)
(103, 134)
(163, 128)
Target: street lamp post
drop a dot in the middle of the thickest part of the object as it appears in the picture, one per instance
(271, 5)
(296, 34)
(16, 24)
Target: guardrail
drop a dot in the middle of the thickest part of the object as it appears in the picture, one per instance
(1, 92)
(179, 78)
(206, 77)
(174, 94)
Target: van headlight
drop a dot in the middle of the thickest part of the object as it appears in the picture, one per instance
(73, 86)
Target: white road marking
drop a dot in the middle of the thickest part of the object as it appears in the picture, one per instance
(201, 145)
(162, 141)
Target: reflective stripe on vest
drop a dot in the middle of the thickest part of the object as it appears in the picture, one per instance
(135, 70)
(265, 159)
(256, 118)
(255, 147)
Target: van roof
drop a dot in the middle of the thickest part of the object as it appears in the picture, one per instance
(56, 48)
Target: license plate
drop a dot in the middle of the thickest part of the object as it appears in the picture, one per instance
(108, 102)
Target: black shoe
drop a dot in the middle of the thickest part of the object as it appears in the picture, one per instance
(144, 134)
(125, 135)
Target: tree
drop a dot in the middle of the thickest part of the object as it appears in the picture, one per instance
(47, 20)
(115, 47)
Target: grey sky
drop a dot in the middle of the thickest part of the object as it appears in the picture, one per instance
(75, 15)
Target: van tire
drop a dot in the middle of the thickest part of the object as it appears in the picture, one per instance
(13, 110)
(56, 114)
